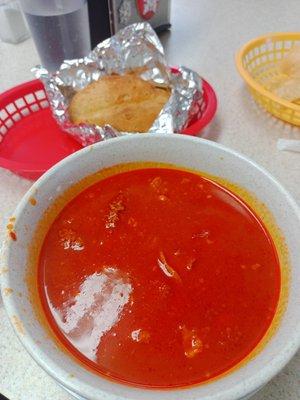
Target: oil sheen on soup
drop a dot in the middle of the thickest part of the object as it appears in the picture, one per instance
(158, 277)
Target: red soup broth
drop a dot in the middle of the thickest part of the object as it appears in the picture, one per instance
(158, 277)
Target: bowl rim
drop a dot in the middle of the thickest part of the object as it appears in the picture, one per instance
(238, 390)
(253, 82)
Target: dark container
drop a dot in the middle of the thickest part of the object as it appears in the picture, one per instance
(109, 16)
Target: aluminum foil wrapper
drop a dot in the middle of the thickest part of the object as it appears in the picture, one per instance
(133, 47)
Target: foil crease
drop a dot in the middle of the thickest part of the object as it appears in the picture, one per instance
(136, 46)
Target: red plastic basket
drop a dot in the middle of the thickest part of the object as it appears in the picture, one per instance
(31, 141)
(207, 110)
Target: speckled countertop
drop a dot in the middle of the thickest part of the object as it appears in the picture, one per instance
(205, 36)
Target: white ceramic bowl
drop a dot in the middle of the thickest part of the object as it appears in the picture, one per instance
(189, 152)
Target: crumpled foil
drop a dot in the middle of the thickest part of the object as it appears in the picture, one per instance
(136, 46)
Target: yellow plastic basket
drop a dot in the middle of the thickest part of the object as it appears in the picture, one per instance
(256, 62)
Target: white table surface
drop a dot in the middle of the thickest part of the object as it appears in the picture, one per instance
(205, 36)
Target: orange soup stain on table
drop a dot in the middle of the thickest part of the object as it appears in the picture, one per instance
(158, 277)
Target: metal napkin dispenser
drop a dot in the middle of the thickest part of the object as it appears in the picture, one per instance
(109, 16)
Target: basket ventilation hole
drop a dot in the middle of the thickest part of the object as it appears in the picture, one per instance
(30, 98)
(25, 112)
(11, 108)
(40, 94)
(3, 115)
(20, 103)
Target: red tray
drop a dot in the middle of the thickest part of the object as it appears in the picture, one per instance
(31, 141)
